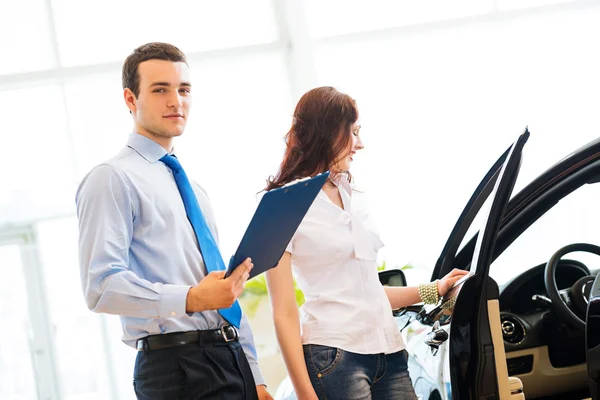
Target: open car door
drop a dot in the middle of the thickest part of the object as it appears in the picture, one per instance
(476, 349)
(471, 351)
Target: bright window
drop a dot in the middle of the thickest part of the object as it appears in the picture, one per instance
(99, 119)
(109, 30)
(17, 380)
(25, 40)
(335, 17)
(36, 163)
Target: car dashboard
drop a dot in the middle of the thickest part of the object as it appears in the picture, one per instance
(517, 296)
(542, 350)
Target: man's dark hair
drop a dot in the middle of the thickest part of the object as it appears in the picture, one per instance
(146, 52)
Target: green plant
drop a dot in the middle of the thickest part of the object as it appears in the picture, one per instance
(256, 290)
(383, 266)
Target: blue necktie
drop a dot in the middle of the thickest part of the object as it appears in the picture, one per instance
(208, 247)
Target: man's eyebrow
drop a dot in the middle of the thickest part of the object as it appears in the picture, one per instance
(167, 84)
(160, 84)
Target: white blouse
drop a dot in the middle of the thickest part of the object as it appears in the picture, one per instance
(334, 261)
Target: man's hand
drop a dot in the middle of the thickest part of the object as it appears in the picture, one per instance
(213, 292)
(446, 282)
(261, 390)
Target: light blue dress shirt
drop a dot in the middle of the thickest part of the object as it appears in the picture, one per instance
(138, 252)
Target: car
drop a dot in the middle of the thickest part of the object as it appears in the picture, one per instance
(537, 334)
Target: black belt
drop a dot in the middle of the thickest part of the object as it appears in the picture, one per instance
(225, 334)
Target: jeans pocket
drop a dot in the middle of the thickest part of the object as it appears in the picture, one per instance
(398, 362)
(323, 359)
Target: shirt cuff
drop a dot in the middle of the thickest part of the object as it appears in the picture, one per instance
(173, 301)
(258, 378)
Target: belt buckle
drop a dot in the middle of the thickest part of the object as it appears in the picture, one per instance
(229, 328)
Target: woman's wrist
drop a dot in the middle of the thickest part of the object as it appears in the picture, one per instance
(429, 292)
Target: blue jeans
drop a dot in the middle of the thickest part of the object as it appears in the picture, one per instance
(339, 374)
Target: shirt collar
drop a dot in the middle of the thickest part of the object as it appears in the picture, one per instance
(146, 147)
(341, 181)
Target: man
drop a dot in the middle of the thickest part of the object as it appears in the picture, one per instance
(148, 250)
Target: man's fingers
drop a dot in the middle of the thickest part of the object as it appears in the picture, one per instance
(241, 269)
(218, 274)
(244, 277)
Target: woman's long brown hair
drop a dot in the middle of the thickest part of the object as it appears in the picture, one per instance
(320, 135)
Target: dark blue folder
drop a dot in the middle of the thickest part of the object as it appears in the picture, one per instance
(275, 221)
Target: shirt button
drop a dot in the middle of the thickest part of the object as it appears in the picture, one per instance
(173, 313)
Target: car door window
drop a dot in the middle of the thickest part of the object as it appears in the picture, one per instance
(576, 218)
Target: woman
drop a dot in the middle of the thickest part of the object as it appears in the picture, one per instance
(350, 346)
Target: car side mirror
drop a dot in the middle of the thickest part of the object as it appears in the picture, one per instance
(392, 277)
(395, 277)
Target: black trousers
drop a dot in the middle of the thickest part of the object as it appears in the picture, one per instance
(211, 371)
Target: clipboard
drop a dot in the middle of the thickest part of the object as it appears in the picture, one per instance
(274, 223)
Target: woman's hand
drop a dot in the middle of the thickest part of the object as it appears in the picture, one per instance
(447, 281)
(261, 391)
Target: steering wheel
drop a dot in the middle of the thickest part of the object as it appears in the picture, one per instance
(577, 296)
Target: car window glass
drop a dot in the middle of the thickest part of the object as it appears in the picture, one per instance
(476, 224)
(576, 218)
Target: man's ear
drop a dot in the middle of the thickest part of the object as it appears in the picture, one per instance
(130, 99)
